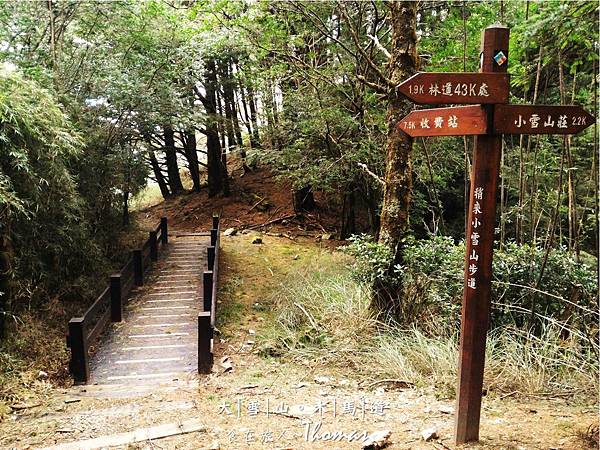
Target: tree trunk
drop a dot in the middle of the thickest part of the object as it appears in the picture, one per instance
(247, 116)
(126, 208)
(228, 103)
(191, 154)
(372, 199)
(348, 226)
(171, 159)
(234, 133)
(403, 63)
(160, 179)
(221, 122)
(248, 127)
(252, 106)
(225, 174)
(6, 257)
(273, 103)
(303, 199)
(267, 104)
(213, 146)
(236, 121)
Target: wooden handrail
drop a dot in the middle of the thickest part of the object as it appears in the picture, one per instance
(206, 319)
(85, 330)
(98, 304)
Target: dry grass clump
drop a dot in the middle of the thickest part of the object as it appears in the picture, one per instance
(322, 319)
(35, 342)
(325, 318)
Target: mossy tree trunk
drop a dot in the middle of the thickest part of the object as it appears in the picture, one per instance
(403, 63)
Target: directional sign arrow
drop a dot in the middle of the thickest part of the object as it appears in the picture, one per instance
(541, 119)
(457, 87)
(456, 121)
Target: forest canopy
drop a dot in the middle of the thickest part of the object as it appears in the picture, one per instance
(98, 99)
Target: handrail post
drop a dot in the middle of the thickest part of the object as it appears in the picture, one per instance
(116, 305)
(138, 268)
(205, 336)
(213, 299)
(78, 365)
(207, 286)
(153, 246)
(164, 237)
(211, 257)
(213, 237)
(215, 221)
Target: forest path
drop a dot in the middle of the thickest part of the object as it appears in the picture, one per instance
(157, 340)
(232, 404)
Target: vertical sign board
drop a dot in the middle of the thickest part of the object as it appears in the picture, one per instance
(478, 264)
(488, 120)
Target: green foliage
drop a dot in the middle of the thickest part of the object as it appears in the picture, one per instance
(323, 149)
(516, 272)
(432, 279)
(372, 259)
(42, 211)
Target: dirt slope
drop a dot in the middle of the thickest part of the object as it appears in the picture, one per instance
(257, 198)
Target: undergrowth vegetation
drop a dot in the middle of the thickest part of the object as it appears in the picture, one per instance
(325, 317)
(61, 219)
(531, 286)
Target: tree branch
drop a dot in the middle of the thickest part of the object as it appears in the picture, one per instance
(373, 174)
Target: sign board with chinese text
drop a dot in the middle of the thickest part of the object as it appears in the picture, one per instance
(488, 118)
(456, 88)
(540, 119)
(457, 121)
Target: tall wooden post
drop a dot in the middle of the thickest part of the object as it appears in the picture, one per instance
(153, 246)
(207, 286)
(478, 262)
(116, 298)
(138, 267)
(164, 234)
(210, 253)
(79, 364)
(205, 336)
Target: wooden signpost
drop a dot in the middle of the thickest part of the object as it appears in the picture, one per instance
(457, 87)
(457, 121)
(487, 120)
(540, 119)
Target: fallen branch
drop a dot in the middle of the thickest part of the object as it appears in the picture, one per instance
(310, 318)
(270, 222)
(510, 394)
(255, 205)
(139, 435)
(390, 380)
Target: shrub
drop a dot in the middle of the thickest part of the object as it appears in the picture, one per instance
(432, 283)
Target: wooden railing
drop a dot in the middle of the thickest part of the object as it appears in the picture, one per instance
(108, 307)
(206, 319)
